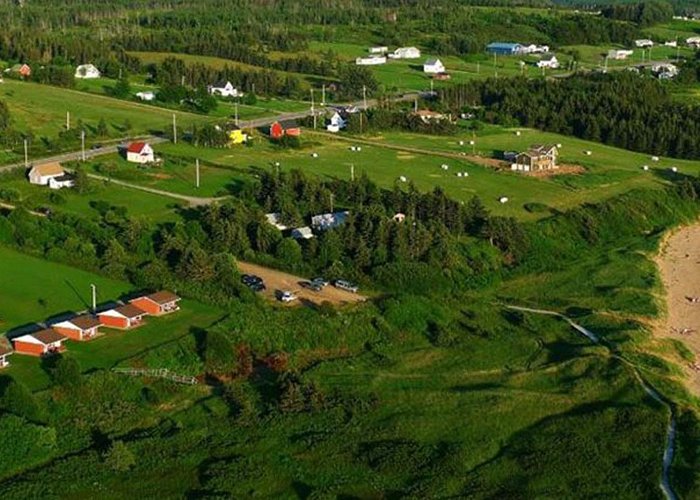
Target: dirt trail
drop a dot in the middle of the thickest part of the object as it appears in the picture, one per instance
(679, 265)
(278, 280)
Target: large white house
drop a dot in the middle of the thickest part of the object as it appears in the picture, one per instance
(51, 175)
(433, 66)
(336, 122)
(405, 53)
(619, 54)
(644, 43)
(550, 62)
(370, 60)
(140, 152)
(224, 89)
(87, 71)
(146, 96)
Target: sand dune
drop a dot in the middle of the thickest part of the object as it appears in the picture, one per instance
(679, 265)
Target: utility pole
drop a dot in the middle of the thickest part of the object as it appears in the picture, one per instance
(323, 95)
(415, 105)
(182, 81)
(312, 101)
(331, 200)
(174, 129)
(236, 115)
(352, 172)
(120, 73)
(364, 96)
(432, 90)
(94, 298)
(197, 173)
(26, 154)
(67, 120)
(82, 143)
(360, 121)
(495, 65)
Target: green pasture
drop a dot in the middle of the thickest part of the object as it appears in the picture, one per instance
(33, 290)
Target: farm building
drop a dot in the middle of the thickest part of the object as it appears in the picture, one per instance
(236, 135)
(405, 53)
(83, 327)
(378, 50)
(504, 49)
(337, 122)
(41, 343)
(5, 351)
(671, 43)
(302, 233)
(548, 62)
(370, 60)
(275, 219)
(224, 89)
(433, 66)
(428, 116)
(286, 127)
(146, 96)
(643, 43)
(536, 159)
(50, 174)
(535, 49)
(664, 70)
(122, 317)
(158, 303)
(619, 54)
(441, 76)
(23, 70)
(140, 152)
(87, 72)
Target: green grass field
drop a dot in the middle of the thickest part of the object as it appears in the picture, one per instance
(42, 109)
(41, 289)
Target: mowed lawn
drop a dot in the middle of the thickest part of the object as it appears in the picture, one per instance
(33, 290)
(42, 109)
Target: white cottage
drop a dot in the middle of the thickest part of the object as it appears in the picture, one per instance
(224, 89)
(405, 53)
(433, 66)
(50, 174)
(87, 71)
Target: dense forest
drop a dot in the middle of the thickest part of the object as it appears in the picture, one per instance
(621, 109)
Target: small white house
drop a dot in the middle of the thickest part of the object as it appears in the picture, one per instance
(370, 60)
(644, 43)
(548, 62)
(146, 96)
(671, 43)
(693, 41)
(619, 54)
(302, 233)
(667, 68)
(50, 174)
(224, 89)
(140, 152)
(433, 66)
(87, 71)
(405, 53)
(336, 123)
(378, 50)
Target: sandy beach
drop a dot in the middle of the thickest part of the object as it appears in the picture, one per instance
(679, 265)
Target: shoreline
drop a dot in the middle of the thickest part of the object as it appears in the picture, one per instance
(678, 262)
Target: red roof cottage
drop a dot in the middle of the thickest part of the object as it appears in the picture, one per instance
(158, 303)
(122, 317)
(40, 343)
(82, 327)
(140, 152)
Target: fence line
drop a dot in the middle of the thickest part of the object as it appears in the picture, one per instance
(157, 373)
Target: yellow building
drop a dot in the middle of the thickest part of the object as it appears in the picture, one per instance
(237, 136)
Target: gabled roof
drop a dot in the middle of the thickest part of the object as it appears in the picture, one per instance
(5, 348)
(163, 297)
(221, 84)
(289, 124)
(503, 45)
(136, 147)
(432, 62)
(127, 311)
(46, 336)
(85, 321)
(48, 169)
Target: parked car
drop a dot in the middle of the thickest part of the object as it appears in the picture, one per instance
(285, 296)
(346, 285)
(313, 285)
(257, 287)
(250, 279)
(319, 281)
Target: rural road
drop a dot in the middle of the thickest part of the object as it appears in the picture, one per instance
(669, 448)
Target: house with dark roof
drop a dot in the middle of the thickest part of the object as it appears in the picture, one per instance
(158, 303)
(433, 66)
(41, 343)
(122, 317)
(83, 327)
(538, 158)
(504, 49)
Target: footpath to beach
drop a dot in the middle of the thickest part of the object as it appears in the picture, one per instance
(679, 265)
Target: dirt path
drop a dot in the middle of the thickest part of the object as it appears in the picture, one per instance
(679, 265)
(278, 280)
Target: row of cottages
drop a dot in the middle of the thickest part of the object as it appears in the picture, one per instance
(85, 327)
(51, 175)
(283, 128)
(540, 157)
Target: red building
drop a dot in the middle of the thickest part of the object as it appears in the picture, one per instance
(79, 328)
(158, 303)
(288, 127)
(40, 343)
(122, 317)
